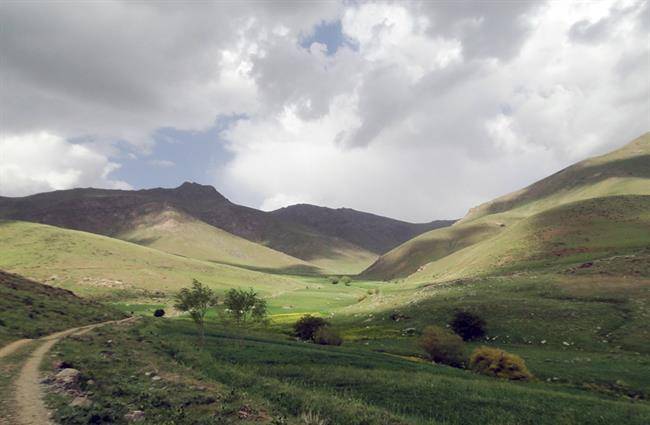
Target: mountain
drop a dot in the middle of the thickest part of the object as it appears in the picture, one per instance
(621, 176)
(375, 233)
(119, 213)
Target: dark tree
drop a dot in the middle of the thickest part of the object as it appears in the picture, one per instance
(159, 312)
(468, 325)
(305, 328)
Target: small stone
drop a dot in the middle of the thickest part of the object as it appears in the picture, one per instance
(134, 416)
(156, 378)
(90, 382)
(81, 402)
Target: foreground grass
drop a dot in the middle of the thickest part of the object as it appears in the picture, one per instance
(281, 380)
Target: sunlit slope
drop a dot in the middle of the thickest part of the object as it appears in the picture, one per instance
(564, 237)
(178, 233)
(623, 172)
(92, 264)
(408, 257)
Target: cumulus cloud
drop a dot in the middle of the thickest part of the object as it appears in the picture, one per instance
(40, 162)
(427, 108)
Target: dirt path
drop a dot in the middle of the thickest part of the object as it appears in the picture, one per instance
(9, 349)
(28, 392)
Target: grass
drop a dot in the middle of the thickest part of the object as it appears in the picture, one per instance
(177, 233)
(288, 380)
(30, 309)
(102, 267)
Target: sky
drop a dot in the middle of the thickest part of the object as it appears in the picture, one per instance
(412, 110)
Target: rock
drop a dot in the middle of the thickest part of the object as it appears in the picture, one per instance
(156, 378)
(408, 331)
(68, 377)
(81, 401)
(134, 416)
(90, 382)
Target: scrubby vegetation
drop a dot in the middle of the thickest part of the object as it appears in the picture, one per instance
(442, 346)
(327, 336)
(30, 309)
(498, 363)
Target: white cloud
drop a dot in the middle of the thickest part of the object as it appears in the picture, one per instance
(40, 162)
(431, 108)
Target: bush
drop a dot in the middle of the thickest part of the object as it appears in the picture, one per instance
(334, 280)
(327, 336)
(346, 280)
(306, 327)
(443, 346)
(159, 313)
(498, 363)
(468, 325)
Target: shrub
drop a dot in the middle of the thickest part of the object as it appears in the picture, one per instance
(498, 363)
(307, 325)
(442, 346)
(327, 336)
(346, 280)
(334, 280)
(468, 325)
(159, 313)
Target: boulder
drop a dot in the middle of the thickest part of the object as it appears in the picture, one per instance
(68, 377)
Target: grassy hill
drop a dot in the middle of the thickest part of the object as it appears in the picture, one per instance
(568, 235)
(99, 266)
(31, 309)
(623, 172)
(369, 231)
(114, 212)
(178, 233)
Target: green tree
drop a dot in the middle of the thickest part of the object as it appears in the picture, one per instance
(242, 305)
(196, 301)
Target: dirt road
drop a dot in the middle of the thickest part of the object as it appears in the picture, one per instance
(27, 389)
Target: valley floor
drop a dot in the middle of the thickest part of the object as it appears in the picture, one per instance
(583, 335)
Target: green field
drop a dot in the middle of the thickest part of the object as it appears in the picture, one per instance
(277, 379)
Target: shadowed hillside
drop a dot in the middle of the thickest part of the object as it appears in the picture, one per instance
(116, 212)
(31, 309)
(372, 232)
